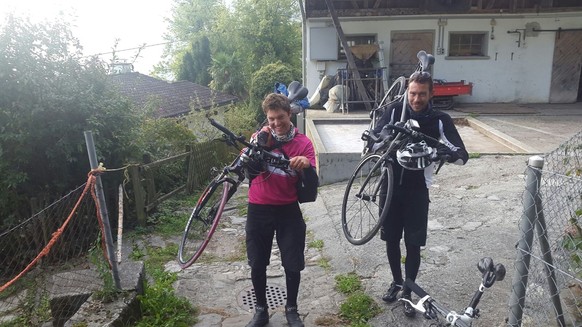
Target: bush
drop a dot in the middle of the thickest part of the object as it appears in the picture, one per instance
(263, 82)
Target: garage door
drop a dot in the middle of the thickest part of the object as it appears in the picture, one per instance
(403, 49)
(566, 68)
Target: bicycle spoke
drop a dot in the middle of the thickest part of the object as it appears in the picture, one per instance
(202, 223)
(361, 206)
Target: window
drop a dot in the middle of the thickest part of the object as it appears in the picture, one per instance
(468, 44)
(355, 40)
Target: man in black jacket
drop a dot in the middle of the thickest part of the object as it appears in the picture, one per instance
(408, 211)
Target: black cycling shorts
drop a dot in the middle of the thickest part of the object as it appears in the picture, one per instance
(283, 221)
(408, 213)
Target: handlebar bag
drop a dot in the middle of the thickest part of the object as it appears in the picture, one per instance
(307, 185)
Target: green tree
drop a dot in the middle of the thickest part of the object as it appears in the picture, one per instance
(196, 63)
(191, 22)
(50, 95)
(227, 74)
(243, 37)
(267, 31)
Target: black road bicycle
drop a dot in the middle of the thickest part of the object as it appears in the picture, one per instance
(431, 309)
(369, 189)
(206, 215)
(397, 90)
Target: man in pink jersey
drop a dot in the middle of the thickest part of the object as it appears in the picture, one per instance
(273, 209)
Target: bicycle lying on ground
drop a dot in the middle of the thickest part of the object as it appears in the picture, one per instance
(369, 189)
(431, 309)
(206, 215)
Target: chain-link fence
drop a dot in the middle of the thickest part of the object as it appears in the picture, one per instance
(547, 285)
(52, 262)
(36, 252)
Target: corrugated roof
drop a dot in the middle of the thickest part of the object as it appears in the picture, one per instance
(174, 98)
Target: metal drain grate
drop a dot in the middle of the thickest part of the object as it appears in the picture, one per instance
(276, 297)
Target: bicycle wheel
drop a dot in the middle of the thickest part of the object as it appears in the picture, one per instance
(366, 201)
(395, 91)
(202, 222)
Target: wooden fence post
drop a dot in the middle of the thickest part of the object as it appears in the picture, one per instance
(138, 193)
(190, 170)
(150, 185)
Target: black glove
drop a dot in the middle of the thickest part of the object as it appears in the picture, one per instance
(263, 138)
(445, 152)
(254, 168)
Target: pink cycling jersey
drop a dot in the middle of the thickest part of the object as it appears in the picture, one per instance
(276, 186)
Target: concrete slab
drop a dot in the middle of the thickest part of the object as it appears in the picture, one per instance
(486, 129)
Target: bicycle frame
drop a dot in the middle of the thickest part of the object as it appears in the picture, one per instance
(429, 307)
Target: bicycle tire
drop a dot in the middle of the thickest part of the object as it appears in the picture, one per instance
(395, 91)
(362, 215)
(203, 222)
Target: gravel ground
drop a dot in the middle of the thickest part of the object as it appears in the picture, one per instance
(474, 213)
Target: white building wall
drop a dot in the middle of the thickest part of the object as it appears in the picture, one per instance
(513, 72)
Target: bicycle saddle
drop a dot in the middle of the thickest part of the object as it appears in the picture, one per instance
(296, 91)
(425, 59)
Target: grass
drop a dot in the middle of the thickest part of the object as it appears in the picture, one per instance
(358, 307)
(324, 263)
(474, 155)
(348, 284)
(316, 244)
(34, 310)
(160, 305)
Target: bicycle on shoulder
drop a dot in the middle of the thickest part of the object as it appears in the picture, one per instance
(433, 310)
(369, 190)
(397, 90)
(206, 215)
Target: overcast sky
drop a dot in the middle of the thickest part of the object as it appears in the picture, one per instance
(98, 23)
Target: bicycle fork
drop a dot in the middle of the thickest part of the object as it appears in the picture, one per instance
(374, 194)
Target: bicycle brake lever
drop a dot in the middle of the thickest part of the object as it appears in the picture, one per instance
(418, 306)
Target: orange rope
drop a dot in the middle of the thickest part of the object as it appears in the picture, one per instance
(101, 226)
(55, 236)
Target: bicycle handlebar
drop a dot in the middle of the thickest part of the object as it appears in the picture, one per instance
(255, 151)
(427, 304)
(386, 136)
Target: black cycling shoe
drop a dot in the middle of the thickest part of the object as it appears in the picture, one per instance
(391, 293)
(293, 319)
(408, 309)
(261, 317)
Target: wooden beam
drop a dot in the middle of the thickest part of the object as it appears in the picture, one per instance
(350, 57)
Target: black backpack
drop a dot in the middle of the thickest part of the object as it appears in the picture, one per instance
(307, 185)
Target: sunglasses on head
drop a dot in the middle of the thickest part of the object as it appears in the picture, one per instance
(420, 76)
